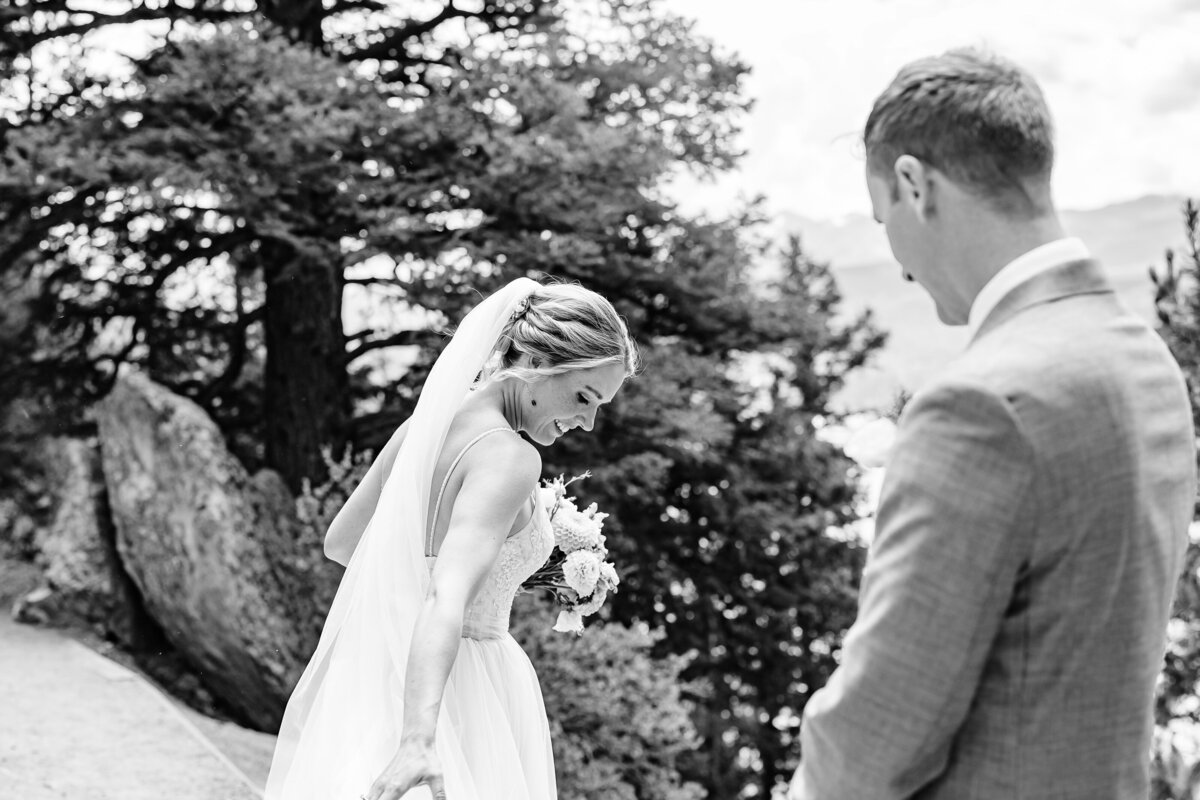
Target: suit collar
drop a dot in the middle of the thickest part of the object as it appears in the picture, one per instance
(1072, 278)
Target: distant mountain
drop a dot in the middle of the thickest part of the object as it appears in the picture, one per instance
(1127, 237)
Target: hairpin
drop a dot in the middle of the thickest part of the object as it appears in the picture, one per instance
(520, 310)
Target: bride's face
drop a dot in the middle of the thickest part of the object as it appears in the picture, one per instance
(570, 400)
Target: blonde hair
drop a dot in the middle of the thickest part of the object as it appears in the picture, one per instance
(561, 327)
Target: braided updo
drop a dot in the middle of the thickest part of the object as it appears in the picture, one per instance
(561, 327)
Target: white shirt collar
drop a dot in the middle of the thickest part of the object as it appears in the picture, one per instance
(1019, 270)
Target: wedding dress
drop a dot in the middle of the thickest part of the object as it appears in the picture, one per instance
(343, 722)
(499, 714)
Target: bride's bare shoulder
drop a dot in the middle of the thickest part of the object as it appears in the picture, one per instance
(507, 457)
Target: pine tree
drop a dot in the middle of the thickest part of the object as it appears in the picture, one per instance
(1176, 773)
(425, 171)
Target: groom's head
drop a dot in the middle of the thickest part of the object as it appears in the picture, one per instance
(957, 145)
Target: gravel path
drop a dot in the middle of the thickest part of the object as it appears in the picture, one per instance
(75, 725)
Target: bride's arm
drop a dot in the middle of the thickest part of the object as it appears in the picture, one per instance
(501, 473)
(352, 518)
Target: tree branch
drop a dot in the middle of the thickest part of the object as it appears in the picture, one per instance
(14, 44)
(370, 431)
(390, 281)
(497, 15)
(391, 47)
(401, 339)
(237, 356)
(36, 228)
(356, 5)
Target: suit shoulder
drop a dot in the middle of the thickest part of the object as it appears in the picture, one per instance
(961, 383)
(964, 402)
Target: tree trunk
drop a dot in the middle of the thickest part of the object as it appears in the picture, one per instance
(300, 18)
(305, 385)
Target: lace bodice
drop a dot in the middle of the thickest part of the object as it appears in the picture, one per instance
(520, 556)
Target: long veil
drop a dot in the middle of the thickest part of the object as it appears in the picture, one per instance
(342, 723)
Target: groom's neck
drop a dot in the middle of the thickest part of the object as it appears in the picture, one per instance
(991, 241)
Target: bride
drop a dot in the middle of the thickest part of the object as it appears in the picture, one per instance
(416, 681)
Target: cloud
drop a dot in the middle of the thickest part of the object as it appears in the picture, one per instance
(1119, 83)
(1180, 93)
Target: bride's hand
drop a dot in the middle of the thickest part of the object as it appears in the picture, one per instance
(414, 765)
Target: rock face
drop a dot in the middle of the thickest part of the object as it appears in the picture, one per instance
(82, 578)
(212, 550)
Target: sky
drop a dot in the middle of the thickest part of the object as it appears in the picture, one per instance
(1122, 78)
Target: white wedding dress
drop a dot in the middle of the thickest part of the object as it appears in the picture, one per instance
(498, 709)
(343, 722)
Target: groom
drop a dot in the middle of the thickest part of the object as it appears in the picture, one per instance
(1035, 511)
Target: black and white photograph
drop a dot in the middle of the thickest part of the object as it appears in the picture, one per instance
(599, 400)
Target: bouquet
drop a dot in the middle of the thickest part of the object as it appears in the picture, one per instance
(576, 572)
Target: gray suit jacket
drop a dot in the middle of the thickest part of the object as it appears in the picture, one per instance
(1029, 536)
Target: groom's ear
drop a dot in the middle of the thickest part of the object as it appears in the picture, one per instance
(914, 183)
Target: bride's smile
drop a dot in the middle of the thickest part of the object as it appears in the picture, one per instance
(561, 403)
(547, 409)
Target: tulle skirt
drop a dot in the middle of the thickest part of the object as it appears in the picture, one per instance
(500, 747)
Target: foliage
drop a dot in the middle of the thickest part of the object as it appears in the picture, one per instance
(169, 215)
(1177, 301)
(317, 505)
(1176, 757)
(220, 346)
(618, 720)
(209, 217)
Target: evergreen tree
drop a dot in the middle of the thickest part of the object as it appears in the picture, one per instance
(1176, 770)
(426, 172)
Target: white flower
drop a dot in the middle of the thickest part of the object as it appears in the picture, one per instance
(575, 531)
(592, 512)
(593, 605)
(871, 444)
(608, 573)
(548, 496)
(581, 570)
(569, 622)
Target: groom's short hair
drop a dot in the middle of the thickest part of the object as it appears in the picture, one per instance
(976, 117)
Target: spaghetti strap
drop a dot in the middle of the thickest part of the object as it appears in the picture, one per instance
(446, 482)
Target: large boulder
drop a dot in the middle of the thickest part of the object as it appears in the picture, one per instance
(213, 551)
(82, 580)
